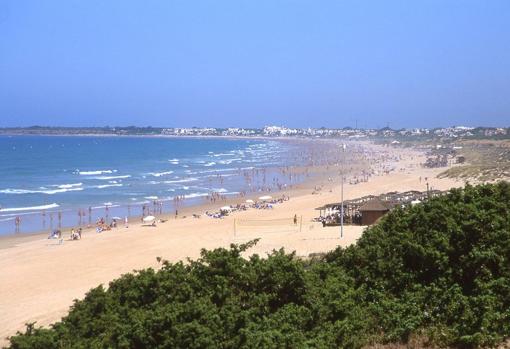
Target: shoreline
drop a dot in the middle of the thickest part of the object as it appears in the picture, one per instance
(114, 135)
(41, 278)
(12, 239)
(300, 189)
(186, 205)
(9, 240)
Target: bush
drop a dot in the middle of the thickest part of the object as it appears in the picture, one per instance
(440, 270)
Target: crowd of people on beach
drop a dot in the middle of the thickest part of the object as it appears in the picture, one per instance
(102, 226)
(323, 161)
(334, 218)
(259, 205)
(74, 235)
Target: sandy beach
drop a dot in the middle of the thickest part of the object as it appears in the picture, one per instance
(40, 278)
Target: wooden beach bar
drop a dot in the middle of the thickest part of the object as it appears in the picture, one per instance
(367, 210)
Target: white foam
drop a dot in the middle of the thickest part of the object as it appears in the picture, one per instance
(67, 186)
(31, 208)
(56, 191)
(108, 186)
(212, 163)
(111, 177)
(16, 191)
(224, 154)
(159, 174)
(92, 173)
(184, 180)
(195, 195)
(151, 197)
(49, 191)
(229, 161)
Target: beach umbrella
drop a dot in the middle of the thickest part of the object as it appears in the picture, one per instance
(265, 197)
(149, 219)
(117, 218)
(225, 208)
(249, 201)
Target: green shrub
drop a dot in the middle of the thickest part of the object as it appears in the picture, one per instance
(440, 270)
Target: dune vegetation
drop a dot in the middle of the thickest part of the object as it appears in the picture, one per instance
(437, 273)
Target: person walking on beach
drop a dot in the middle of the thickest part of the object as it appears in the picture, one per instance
(295, 219)
(126, 222)
(176, 214)
(17, 222)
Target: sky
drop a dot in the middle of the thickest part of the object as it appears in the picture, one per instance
(238, 63)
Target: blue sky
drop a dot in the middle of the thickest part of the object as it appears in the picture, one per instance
(251, 63)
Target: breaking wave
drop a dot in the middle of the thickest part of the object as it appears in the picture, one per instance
(92, 173)
(30, 208)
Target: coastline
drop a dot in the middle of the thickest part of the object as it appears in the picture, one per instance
(120, 208)
(41, 278)
(114, 135)
(13, 239)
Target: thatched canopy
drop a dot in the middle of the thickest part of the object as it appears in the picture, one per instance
(375, 205)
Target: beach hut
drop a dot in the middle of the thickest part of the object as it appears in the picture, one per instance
(373, 210)
(322, 208)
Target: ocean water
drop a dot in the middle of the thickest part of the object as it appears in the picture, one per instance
(52, 181)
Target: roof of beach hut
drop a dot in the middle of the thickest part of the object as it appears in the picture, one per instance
(375, 205)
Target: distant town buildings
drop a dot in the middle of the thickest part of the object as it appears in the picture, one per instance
(391, 135)
(282, 131)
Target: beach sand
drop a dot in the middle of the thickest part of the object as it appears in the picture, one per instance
(39, 278)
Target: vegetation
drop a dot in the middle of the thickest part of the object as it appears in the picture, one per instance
(439, 271)
(486, 161)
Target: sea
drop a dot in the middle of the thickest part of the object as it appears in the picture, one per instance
(51, 182)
